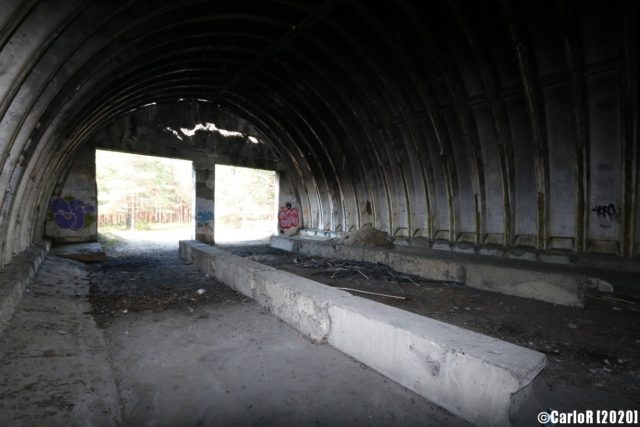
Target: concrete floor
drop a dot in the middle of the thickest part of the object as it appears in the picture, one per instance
(216, 361)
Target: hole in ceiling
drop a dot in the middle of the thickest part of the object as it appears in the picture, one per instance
(211, 127)
(174, 132)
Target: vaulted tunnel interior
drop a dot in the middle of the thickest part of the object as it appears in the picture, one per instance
(507, 128)
(503, 123)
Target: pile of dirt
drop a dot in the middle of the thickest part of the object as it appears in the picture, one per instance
(368, 236)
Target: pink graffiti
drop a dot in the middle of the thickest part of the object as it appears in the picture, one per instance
(288, 218)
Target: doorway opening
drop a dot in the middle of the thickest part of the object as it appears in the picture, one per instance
(145, 200)
(246, 204)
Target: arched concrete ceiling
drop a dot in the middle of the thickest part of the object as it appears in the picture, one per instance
(504, 122)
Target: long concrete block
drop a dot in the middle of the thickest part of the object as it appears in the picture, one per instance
(296, 300)
(15, 277)
(510, 277)
(479, 378)
(482, 379)
(539, 284)
(283, 244)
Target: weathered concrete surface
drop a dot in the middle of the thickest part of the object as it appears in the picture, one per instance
(205, 180)
(511, 277)
(54, 367)
(72, 215)
(235, 364)
(540, 284)
(15, 277)
(225, 362)
(471, 375)
(290, 218)
(304, 306)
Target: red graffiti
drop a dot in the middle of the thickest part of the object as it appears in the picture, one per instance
(288, 218)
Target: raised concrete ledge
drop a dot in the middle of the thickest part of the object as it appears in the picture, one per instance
(296, 300)
(525, 279)
(479, 378)
(15, 277)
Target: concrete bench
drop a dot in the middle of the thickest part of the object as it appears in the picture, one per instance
(481, 379)
(15, 277)
(519, 278)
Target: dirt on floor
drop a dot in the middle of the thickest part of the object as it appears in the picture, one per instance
(141, 275)
(595, 349)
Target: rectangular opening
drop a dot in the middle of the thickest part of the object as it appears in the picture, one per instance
(246, 205)
(144, 197)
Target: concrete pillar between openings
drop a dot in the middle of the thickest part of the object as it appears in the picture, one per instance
(205, 176)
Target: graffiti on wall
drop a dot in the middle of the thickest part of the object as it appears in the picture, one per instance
(288, 217)
(204, 217)
(203, 220)
(607, 215)
(70, 213)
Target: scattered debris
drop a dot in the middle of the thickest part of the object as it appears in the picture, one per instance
(572, 326)
(342, 269)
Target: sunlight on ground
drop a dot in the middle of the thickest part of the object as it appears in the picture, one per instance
(123, 242)
(251, 231)
(120, 242)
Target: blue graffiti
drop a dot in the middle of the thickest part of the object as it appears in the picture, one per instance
(204, 217)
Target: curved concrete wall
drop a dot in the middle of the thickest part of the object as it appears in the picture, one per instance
(505, 122)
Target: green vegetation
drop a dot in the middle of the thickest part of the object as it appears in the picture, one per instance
(143, 193)
(135, 191)
(244, 195)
